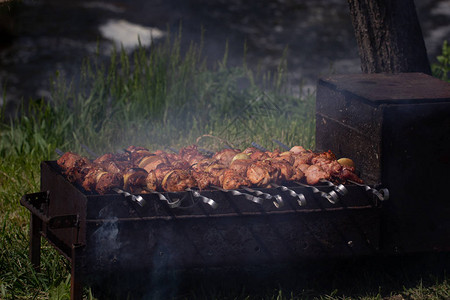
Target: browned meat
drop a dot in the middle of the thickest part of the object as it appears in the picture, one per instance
(178, 180)
(105, 158)
(153, 162)
(134, 179)
(225, 156)
(191, 154)
(262, 173)
(155, 177)
(138, 168)
(323, 156)
(314, 173)
(232, 180)
(285, 156)
(330, 166)
(274, 153)
(250, 150)
(204, 179)
(302, 167)
(258, 155)
(303, 158)
(136, 154)
(348, 174)
(297, 150)
(74, 166)
(151, 181)
(297, 175)
(71, 160)
(240, 166)
(286, 170)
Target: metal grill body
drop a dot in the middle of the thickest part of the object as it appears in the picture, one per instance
(110, 233)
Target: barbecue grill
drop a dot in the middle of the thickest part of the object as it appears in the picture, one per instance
(108, 233)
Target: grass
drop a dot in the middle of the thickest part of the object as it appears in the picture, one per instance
(159, 98)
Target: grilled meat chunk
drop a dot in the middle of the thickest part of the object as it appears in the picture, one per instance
(134, 179)
(314, 173)
(262, 173)
(138, 168)
(225, 156)
(177, 180)
(101, 181)
(231, 180)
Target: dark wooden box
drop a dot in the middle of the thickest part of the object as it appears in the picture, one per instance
(396, 127)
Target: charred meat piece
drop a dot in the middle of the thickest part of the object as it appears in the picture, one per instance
(207, 172)
(348, 174)
(138, 168)
(286, 171)
(177, 180)
(303, 158)
(155, 178)
(262, 173)
(153, 162)
(231, 180)
(225, 156)
(314, 173)
(191, 154)
(134, 179)
(240, 166)
(74, 166)
(101, 181)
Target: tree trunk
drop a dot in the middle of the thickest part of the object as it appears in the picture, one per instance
(389, 36)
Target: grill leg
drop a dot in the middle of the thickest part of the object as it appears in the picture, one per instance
(76, 287)
(35, 242)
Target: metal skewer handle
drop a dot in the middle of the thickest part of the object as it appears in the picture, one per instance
(172, 204)
(340, 188)
(332, 196)
(249, 197)
(381, 194)
(204, 199)
(277, 200)
(138, 199)
(300, 197)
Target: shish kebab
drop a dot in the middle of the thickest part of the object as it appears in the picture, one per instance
(114, 173)
(256, 199)
(381, 194)
(139, 170)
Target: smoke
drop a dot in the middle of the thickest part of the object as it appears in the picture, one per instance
(164, 280)
(106, 237)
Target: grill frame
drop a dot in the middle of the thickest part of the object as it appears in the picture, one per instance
(237, 233)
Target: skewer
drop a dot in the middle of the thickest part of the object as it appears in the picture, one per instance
(204, 199)
(300, 197)
(92, 153)
(381, 194)
(284, 146)
(301, 200)
(172, 149)
(249, 197)
(59, 152)
(259, 147)
(340, 188)
(172, 204)
(332, 196)
(277, 200)
(138, 199)
(206, 152)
